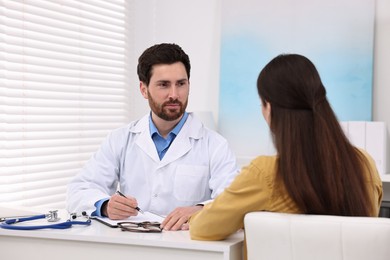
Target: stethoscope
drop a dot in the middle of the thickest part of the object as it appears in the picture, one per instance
(52, 216)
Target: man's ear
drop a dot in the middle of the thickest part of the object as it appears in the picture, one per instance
(144, 89)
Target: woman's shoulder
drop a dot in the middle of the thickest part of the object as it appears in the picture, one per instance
(372, 171)
(264, 161)
(263, 167)
(368, 157)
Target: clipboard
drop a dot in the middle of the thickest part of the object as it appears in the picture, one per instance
(147, 216)
(101, 220)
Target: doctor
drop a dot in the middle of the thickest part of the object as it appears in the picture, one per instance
(166, 163)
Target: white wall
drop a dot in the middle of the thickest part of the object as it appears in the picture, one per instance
(195, 25)
(381, 95)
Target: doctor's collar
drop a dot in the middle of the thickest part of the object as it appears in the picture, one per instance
(153, 129)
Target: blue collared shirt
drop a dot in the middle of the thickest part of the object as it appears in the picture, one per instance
(162, 144)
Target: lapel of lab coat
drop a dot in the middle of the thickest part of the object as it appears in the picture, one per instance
(144, 141)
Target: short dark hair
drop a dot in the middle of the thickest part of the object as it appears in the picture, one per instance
(164, 53)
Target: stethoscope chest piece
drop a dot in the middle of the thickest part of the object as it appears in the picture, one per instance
(53, 216)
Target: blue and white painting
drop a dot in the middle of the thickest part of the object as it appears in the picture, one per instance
(336, 35)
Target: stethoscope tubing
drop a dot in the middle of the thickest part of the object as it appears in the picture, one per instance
(8, 224)
(16, 220)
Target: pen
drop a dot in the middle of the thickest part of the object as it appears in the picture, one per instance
(123, 195)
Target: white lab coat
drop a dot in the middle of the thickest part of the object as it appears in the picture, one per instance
(196, 168)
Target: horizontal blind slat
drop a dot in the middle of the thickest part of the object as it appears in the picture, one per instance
(17, 57)
(48, 159)
(93, 8)
(61, 85)
(63, 16)
(48, 152)
(14, 44)
(39, 176)
(31, 77)
(52, 196)
(65, 111)
(34, 31)
(48, 167)
(84, 43)
(15, 138)
(46, 71)
(31, 119)
(69, 127)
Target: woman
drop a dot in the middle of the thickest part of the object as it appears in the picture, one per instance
(316, 169)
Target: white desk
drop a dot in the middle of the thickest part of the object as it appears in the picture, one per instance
(99, 242)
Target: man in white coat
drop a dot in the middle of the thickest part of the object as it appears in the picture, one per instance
(166, 163)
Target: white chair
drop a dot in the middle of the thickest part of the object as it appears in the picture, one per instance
(274, 236)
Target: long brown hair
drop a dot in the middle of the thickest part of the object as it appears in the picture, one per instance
(321, 170)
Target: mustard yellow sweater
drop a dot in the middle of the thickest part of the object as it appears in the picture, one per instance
(254, 190)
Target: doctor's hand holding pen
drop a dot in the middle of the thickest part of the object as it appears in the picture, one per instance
(120, 206)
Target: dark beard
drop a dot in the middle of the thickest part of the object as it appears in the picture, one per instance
(166, 113)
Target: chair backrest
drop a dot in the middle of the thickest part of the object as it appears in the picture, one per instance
(315, 237)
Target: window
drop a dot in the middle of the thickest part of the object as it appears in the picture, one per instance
(62, 89)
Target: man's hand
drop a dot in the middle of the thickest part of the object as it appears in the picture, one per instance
(119, 207)
(177, 219)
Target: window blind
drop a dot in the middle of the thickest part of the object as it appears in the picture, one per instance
(62, 89)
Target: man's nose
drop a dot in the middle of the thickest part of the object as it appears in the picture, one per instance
(173, 92)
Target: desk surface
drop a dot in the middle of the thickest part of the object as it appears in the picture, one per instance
(100, 239)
